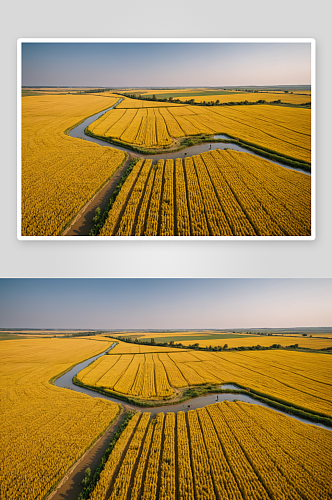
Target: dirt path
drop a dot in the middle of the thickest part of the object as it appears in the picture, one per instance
(70, 486)
(82, 224)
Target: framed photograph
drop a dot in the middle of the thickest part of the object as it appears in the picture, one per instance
(166, 389)
(166, 138)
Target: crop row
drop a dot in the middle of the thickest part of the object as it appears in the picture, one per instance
(155, 375)
(143, 127)
(225, 451)
(217, 193)
(281, 129)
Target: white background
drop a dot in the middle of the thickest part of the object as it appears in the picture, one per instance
(153, 18)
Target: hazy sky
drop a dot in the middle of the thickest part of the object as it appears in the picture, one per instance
(165, 64)
(165, 303)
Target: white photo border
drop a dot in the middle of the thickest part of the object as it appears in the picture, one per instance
(311, 41)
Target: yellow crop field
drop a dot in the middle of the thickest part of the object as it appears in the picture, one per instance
(140, 375)
(128, 348)
(217, 193)
(264, 341)
(44, 429)
(295, 377)
(143, 126)
(59, 173)
(283, 130)
(227, 451)
(252, 97)
(128, 103)
(148, 335)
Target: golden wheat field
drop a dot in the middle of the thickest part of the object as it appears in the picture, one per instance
(128, 348)
(251, 97)
(217, 193)
(60, 173)
(265, 341)
(45, 429)
(295, 377)
(227, 195)
(280, 129)
(230, 451)
(128, 103)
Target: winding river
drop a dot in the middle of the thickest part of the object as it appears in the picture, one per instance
(65, 382)
(78, 133)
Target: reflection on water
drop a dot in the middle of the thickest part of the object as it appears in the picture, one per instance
(65, 381)
(231, 386)
(221, 136)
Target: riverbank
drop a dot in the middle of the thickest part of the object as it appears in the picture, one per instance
(192, 398)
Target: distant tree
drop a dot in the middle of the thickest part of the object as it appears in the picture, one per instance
(152, 342)
(225, 346)
(304, 334)
(154, 98)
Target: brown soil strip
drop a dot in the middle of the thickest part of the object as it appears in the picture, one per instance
(139, 204)
(153, 172)
(161, 198)
(82, 224)
(191, 455)
(210, 459)
(124, 452)
(175, 211)
(124, 205)
(188, 201)
(140, 493)
(176, 452)
(134, 471)
(70, 486)
(160, 458)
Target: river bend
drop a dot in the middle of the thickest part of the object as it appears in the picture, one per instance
(65, 382)
(78, 133)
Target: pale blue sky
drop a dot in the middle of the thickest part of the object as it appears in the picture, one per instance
(165, 64)
(165, 303)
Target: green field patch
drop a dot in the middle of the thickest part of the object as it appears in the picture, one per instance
(11, 336)
(26, 93)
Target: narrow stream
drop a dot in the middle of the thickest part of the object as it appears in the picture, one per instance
(78, 133)
(65, 382)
